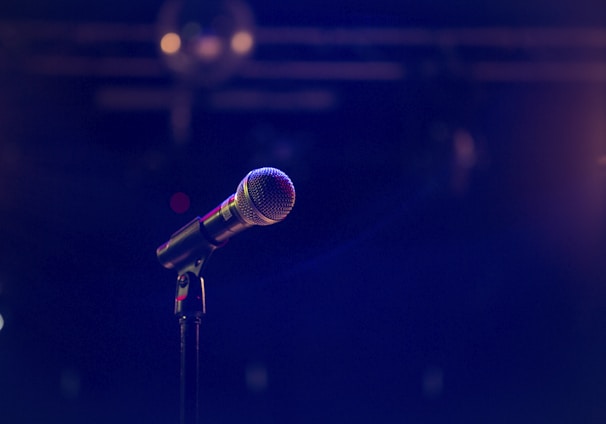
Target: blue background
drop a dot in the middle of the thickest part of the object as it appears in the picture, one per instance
(386, 296)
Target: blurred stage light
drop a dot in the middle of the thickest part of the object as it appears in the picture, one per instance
(170, 43)
(256, 378)
(70, 384)
(242, 42)
(215, 36)
(179, 202)
(433, 382)
(1, 322)
(464, 160)
(464, 149)
(209, 47)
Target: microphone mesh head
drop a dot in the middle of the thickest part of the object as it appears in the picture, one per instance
(265, 196)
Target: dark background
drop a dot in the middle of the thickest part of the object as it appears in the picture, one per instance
(413, 281)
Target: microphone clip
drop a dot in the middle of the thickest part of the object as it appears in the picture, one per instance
(187, 251)
(190, 297)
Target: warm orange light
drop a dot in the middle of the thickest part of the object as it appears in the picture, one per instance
(242, 42)
(170, 43)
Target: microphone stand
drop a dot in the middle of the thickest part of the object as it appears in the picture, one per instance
(268, 200)
(187, 251)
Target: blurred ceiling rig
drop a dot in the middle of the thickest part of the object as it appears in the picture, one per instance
(216, 48)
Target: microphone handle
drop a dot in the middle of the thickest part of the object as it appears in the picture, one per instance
(185, 246)
(224, 221)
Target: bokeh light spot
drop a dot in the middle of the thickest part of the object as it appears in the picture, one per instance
(256, 378)
(242, 42)
(464, 149)
(433, 382)
(1, 322)
(190, 30)
(70, 384)
(179, 202)
(208, 47)
(170, 43)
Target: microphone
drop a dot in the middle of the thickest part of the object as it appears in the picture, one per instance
(264, 197)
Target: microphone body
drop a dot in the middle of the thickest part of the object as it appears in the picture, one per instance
(265, 196)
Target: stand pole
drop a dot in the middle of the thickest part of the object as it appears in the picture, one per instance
(190, 306)
(190, 370)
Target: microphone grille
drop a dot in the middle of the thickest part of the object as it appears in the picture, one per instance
(265, 196)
